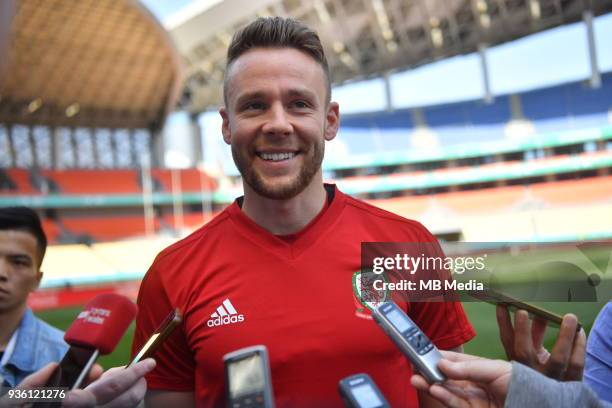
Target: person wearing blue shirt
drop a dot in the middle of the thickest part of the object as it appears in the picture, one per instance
(598, 366)
(27, 344)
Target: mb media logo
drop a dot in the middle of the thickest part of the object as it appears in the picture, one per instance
(225, 314)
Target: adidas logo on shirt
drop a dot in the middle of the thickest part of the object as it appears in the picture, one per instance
(225, 314)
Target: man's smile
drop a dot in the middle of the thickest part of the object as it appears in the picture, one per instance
(276, 156)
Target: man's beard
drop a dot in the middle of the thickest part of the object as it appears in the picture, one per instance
(309, 169)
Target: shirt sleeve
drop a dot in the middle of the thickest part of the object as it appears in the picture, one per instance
(529, 388)
(175, 362)
(444, 322)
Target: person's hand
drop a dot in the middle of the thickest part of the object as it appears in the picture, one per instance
(472, 381)
(523, 343)
(95, 373)
(118, 387)
(34, 380)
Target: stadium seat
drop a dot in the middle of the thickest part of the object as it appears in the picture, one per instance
(409, 207)
(72, 262)
(108, 228)
(568, 106)
(52, 230)
(20, 180)
(190, 220)
(573, 192)
(480, 201)
(95, 181)
(190, 179)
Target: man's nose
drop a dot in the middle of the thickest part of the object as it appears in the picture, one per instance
(277, 121)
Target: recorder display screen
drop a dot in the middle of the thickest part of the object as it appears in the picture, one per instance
(399, 321)
(246, 376)
(366, 396)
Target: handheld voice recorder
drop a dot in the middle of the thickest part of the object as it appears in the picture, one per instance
(409, 338)
(247, 378)
(360, 391)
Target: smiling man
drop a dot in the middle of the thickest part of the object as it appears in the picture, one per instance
(26, 342)
(277, 266)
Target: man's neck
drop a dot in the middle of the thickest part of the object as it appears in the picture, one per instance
(283, 217)
(9, 321)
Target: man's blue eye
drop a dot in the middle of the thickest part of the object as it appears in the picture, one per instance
(300, 104)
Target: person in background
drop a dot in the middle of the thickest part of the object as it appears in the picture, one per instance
(598, 366)
(27, 344)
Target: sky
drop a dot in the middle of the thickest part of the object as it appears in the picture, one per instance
(162, 9)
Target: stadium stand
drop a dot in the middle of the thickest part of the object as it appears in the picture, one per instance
(568, 192)
(586, 222)
(570, 106)
(471, 175)
(192, 220)
(107, 228)
(109, 181)
(594, 190)
(52, 230)
(559, 108)
(129, 258)
(75, 261)
(190, 180)
(115, 261)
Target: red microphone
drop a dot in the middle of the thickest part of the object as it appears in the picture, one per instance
(96, 331)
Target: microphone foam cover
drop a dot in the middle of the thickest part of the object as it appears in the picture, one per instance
(102, 323)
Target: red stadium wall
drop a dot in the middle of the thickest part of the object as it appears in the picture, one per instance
(45, 299)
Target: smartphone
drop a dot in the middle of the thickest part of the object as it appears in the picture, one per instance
(409, 338)
(73, 368)
(247, 378)
(159, 335)
(360, 391)
(497, 298)
(71, 372)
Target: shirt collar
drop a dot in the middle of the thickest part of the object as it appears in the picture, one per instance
(303, 239)
(8, 351)
(22, 355)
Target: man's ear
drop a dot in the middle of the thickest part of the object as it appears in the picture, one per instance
(332, 121)
(39, 276)
(225, 126)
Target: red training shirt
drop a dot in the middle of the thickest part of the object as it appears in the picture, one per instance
(239, 285)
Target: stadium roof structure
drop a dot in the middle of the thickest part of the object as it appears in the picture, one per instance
(365, 38)
(85, 63)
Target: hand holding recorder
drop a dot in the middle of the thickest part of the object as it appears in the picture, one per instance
(472, 381)
(409, 338)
